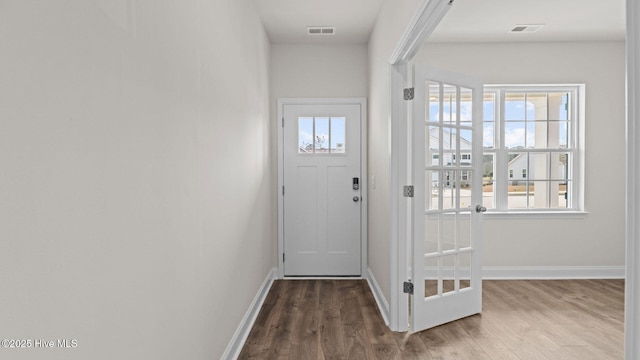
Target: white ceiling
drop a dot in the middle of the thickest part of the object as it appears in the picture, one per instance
(564, 20)
(286, 21)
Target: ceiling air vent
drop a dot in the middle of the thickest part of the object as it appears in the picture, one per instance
(321, 30)
(526, 28)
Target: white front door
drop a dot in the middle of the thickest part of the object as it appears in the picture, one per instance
(322, 194)
(446, 222)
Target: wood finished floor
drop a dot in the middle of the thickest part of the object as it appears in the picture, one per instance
(533, 319)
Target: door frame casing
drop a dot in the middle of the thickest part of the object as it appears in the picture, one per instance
(362, 102)
(424, 21)
(632, 208)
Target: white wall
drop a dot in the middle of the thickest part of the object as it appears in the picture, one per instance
(135, 175)
(597, 239)
(394, 17)
(308, 70)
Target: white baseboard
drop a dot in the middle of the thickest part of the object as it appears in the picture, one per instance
(383, 305)
(552, 272)
(242, 332)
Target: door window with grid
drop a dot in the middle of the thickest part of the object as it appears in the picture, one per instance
(532, 148)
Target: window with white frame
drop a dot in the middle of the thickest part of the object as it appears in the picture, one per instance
(532, 131)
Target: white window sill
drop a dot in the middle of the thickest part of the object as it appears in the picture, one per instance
(535, 214)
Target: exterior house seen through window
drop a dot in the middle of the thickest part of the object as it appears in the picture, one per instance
(321, 135)
(532, 131)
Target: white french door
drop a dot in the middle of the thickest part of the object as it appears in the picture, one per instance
(322, 189)
(447, 211)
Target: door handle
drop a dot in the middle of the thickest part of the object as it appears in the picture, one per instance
(480, 209)
(356, 198)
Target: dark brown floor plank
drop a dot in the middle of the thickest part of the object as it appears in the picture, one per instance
(411, 347)
(438, 347)
(380, 337)
(269, 313)
(305, 341)
(464, 343)
(356, 341)
(331, 329)
(279, 336)
(493, 321)
(475, 328)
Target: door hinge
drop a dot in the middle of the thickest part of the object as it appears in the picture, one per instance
(408, 93)
(408, 191)
(282, 257)
(407, 287)
(282, 190)
(282, 122)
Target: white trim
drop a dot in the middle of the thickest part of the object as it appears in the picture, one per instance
(383, 305)
(364, 186)
(495, 215)
(551, 272)
(364, 183)
(242, 332)
(398, 167)
(323, 278)
(581, 135)
(279, 122)
(425, 20)
(632, 285)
